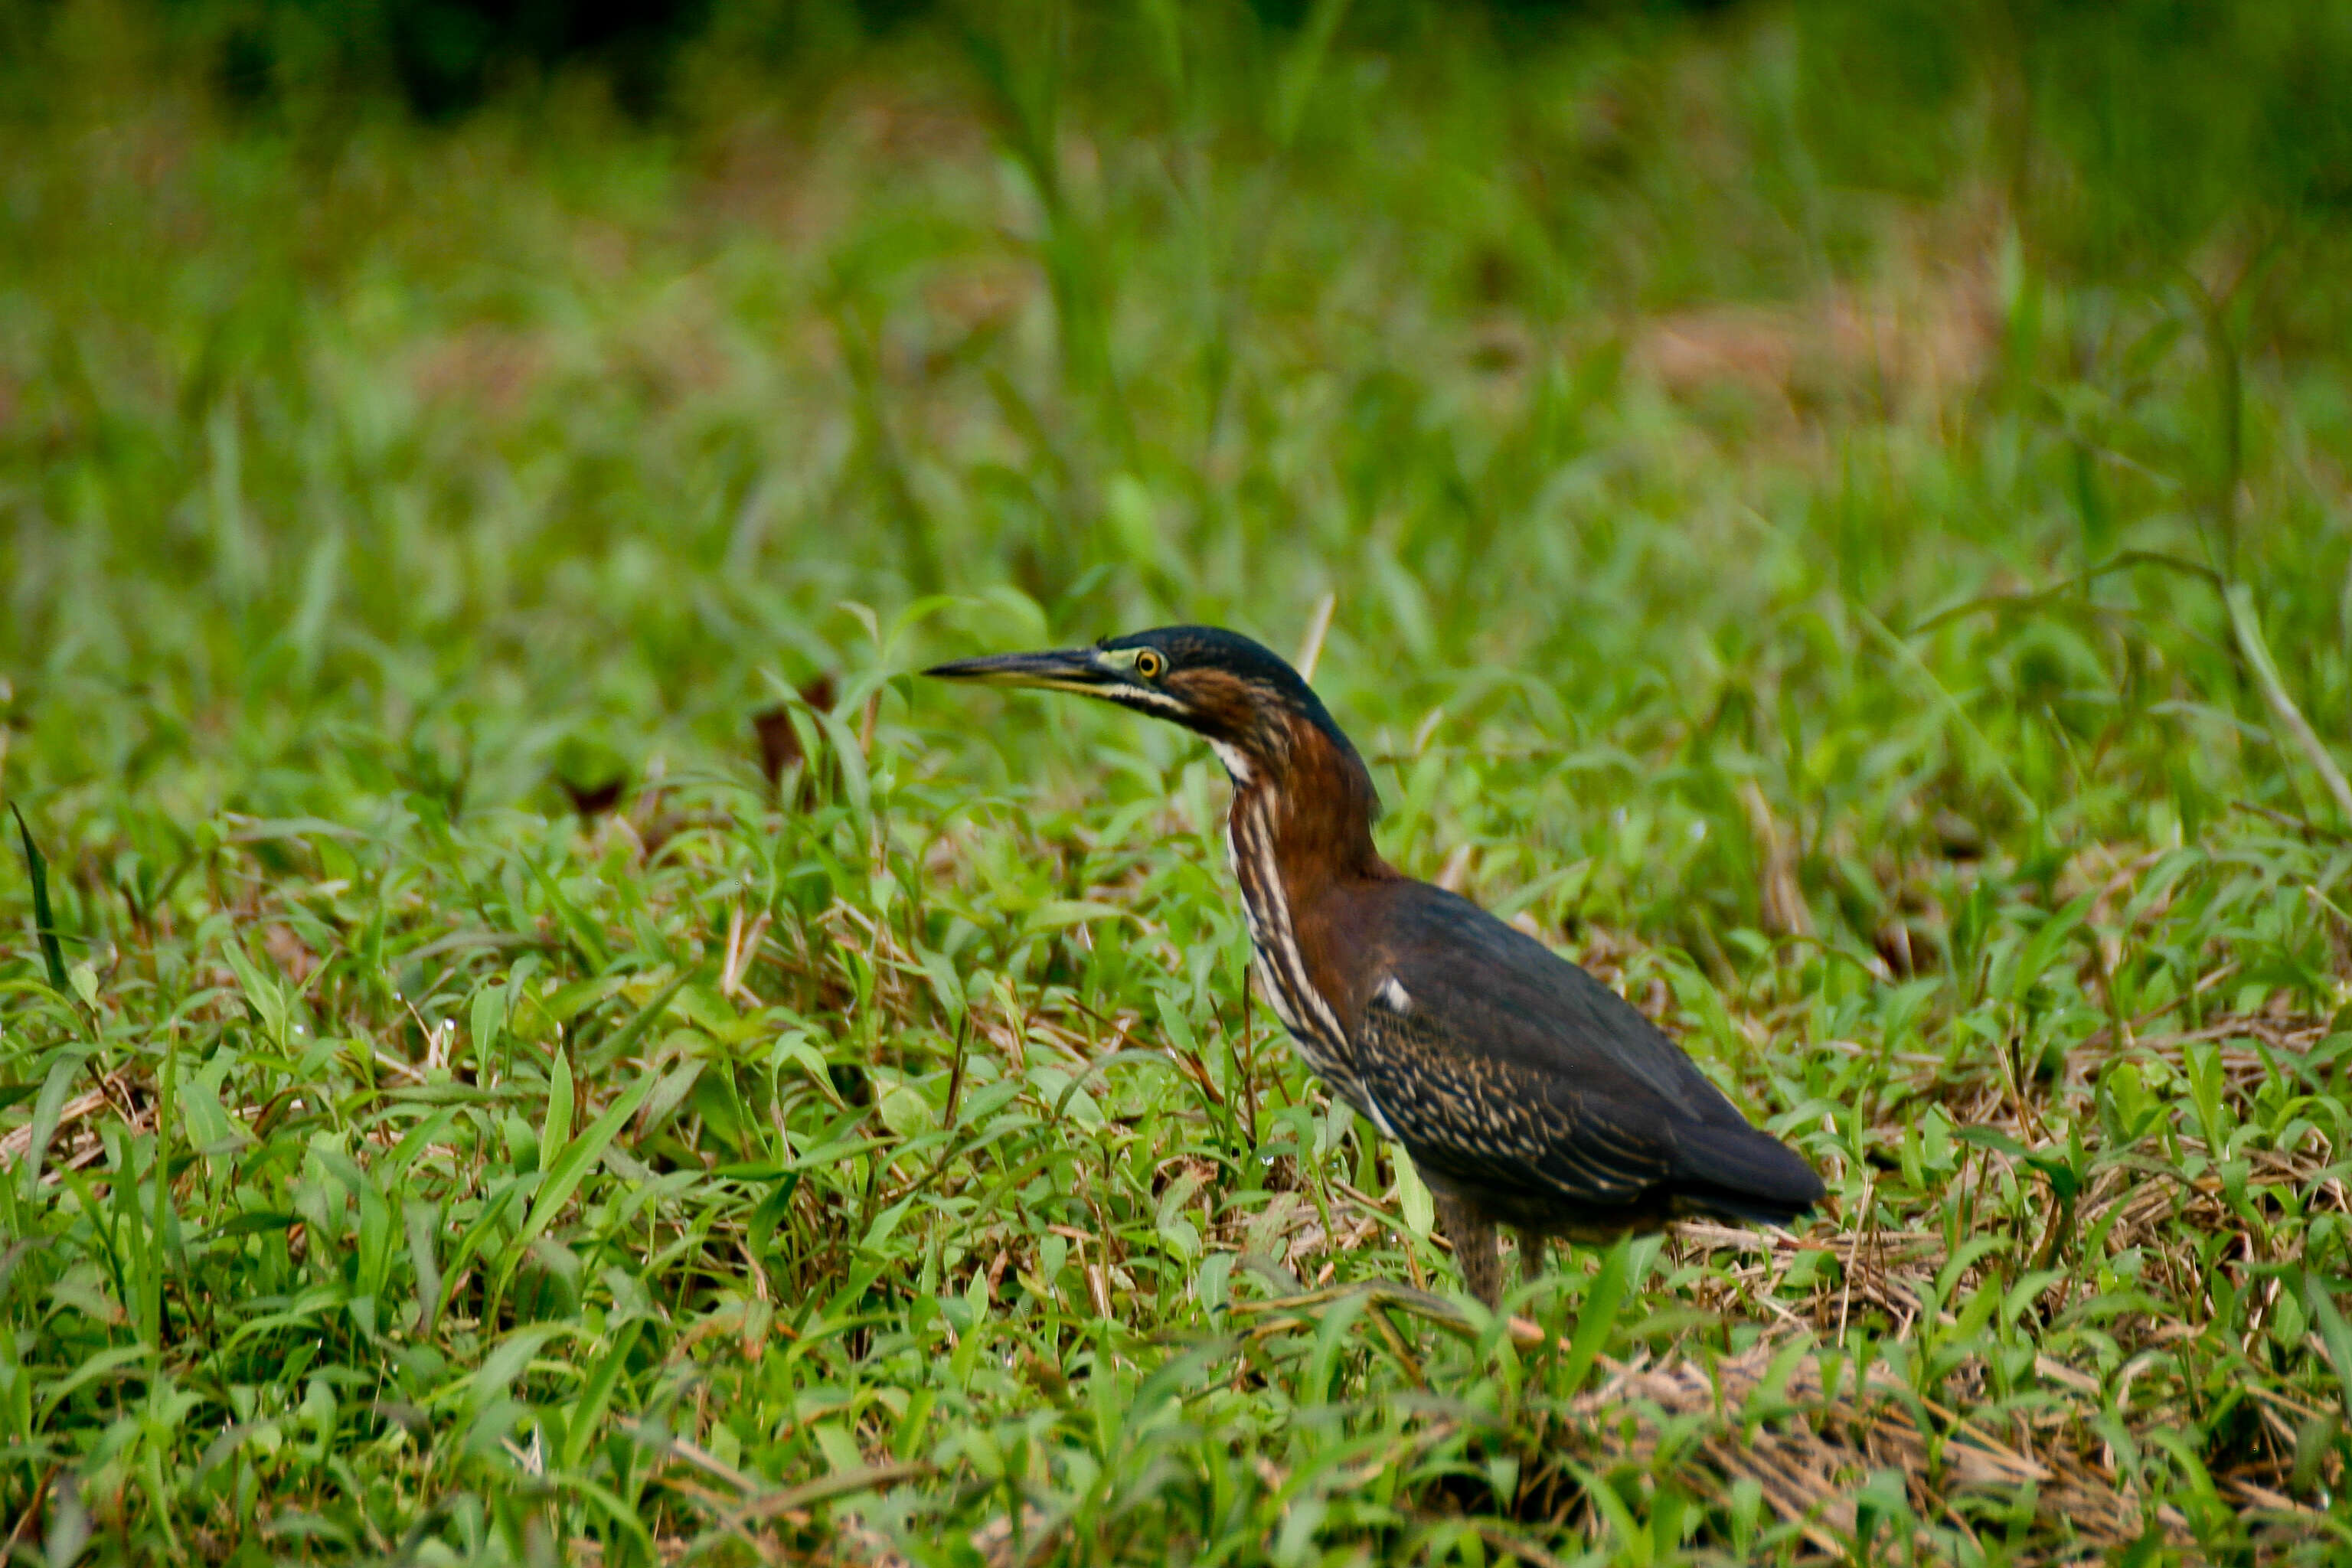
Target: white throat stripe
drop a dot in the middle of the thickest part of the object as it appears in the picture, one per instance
(1237, 761)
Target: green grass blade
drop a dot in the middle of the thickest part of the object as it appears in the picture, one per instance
(45, 925)
(563, 1178)
(47, 1111)
(556, 1130)
(606, 1052)
(1596, 1320)
(586, 1416)
(2332, 1332)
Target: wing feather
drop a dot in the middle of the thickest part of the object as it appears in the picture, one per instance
(1512, 1073)
(1470, 1120)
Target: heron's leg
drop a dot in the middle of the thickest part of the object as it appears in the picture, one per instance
(1472, 1235)
(1531, 1256)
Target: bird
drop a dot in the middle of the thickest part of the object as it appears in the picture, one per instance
(1527, 1093)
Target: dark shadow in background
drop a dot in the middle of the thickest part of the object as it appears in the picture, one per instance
(2168, 122)
(447, 57)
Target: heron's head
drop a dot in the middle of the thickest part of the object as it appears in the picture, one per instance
(1236, 694)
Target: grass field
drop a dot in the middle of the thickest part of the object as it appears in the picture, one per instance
(526, 1037)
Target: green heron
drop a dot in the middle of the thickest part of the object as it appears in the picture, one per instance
(1527, 1093)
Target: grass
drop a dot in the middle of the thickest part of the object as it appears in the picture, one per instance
(1851, 568)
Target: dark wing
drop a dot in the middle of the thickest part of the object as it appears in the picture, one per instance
(1496, 1131)
(1502, 1065)
(1511, 998)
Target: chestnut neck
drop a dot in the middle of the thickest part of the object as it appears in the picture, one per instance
(1318, 802)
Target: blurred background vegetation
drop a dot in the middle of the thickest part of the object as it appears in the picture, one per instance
(414, 333)
(1782, 474)
(577, 360)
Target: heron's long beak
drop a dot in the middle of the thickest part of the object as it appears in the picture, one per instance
(1079, 670)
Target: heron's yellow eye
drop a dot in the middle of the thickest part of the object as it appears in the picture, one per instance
(1148, 664)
